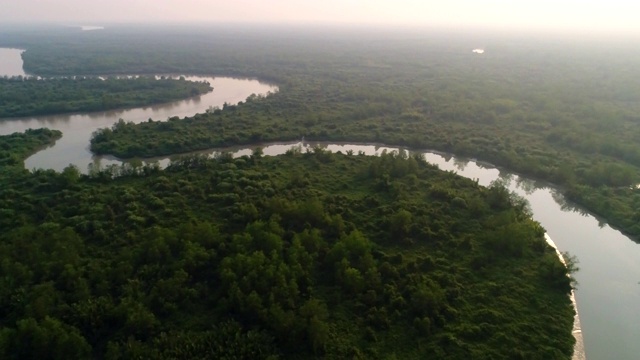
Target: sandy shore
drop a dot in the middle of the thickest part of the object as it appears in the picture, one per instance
(578, 348)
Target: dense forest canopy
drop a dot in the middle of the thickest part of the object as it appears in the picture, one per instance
(31, 96)
(562, 109)
(316, 254)
(303, 255)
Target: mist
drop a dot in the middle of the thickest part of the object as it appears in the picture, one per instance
(594, 16)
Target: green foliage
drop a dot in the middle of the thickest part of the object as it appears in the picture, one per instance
(230, 258)
(47, 339)
(224, 341)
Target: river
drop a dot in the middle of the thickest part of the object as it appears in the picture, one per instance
(608, 294)
(73, 147)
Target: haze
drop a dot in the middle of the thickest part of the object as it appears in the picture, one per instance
(593, 16)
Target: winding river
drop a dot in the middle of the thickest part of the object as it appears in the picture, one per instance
(73, 147)
(608, 294)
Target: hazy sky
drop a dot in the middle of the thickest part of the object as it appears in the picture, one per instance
(585, 14)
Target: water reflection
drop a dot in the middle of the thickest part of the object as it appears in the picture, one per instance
(566, 205)
(527, 185)
(506, 177)
(460, 164)
(484, 165)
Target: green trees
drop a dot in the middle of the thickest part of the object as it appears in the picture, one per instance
(46, 339)
(228, 258)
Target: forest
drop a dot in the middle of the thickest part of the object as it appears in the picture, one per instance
(31, 96)
(312, 254)
(563, 110)
(306, 255)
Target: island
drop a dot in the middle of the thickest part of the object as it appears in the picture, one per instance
(22, 96)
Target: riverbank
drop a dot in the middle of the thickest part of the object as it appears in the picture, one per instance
(578, 349)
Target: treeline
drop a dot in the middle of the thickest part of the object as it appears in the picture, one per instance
(304, 255)
(32, 96)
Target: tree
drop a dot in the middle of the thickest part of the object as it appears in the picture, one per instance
(44, 340)
(400, 224)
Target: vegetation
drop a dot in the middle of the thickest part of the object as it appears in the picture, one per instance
(561, 110)
(299, 256)
(31, 96)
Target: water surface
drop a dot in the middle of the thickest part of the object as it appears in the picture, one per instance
(11, 62)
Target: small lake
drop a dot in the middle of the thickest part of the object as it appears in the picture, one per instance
(608, 294)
